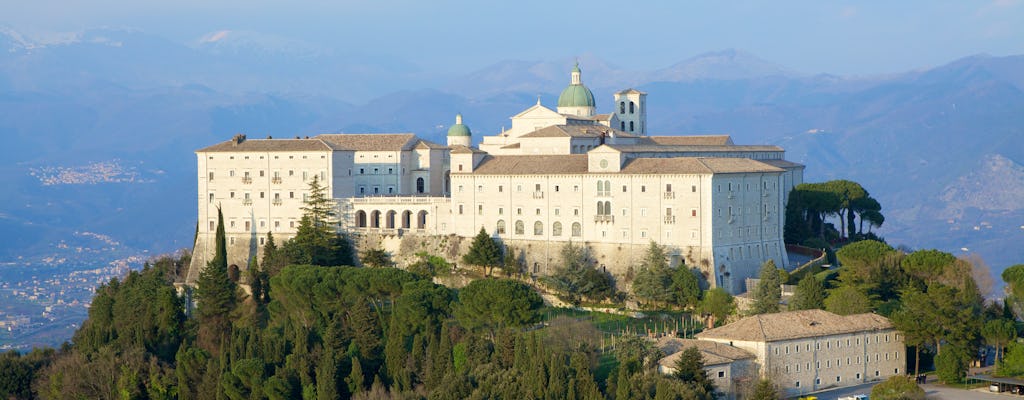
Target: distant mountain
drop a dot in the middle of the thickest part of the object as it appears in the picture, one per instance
(941, 148)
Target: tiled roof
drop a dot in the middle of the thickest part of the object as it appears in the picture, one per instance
(695, 140)
(782, 163)
(370, 141)
(460, 149)
(267, 145)
(657, 148)
(694, 165)
(429, 145)
(576, 131)
(714, 353)
(630, 91)
(526, 165)
(795, 325)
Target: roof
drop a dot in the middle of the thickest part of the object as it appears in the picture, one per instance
(692, 140)
(459, 129)
(603, 117)
(460, 149)
(576, 96)
(695, 165)
(714, 353)
(370, 141)
(630, 91)
(657, 148)
(267, 145)
(537, 164)
(783, 164)
(420, 144)
(795, 325)
(590, 131)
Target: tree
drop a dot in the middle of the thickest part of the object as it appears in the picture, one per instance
(497, 303)
(1012, 363)
(484, 251)
(685, 287)
(768, 292)
(690, 369)
(376, 258)
(897, 387)
(653, 282)
(576, 278)
(216, 294)
(847, 300)
(951, 364)
(913, 319)
(765, 390)
(716, 305)
(810, 294)
(1014, 278)
(316, 240)
(998, 333)
(511, 266)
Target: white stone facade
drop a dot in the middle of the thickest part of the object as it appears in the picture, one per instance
(553, 178)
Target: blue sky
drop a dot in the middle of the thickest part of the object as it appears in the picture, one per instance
(843, 37)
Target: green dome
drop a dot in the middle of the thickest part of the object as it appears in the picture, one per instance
(576, 96)
(459, 129)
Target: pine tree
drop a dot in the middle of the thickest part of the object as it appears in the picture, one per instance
(810, 294)
(690, 369)
(484, 251)
(765, 390)
(355, 378)
(215, 292)
(769, 290)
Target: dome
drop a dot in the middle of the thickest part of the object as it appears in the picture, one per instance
(576, 95)
(459, 129)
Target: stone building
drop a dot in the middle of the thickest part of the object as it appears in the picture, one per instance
(811, 350)
(556, 176)
(731, 368)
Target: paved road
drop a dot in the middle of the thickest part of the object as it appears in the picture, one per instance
(945, 393)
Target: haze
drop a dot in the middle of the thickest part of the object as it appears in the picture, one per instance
(451, 38)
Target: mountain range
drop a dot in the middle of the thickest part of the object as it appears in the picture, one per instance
(942, 148)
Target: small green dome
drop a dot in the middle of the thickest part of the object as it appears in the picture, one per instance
(459, 129)
(576, 96)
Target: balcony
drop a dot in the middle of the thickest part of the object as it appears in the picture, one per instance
(538, 195)
(670, 219)
(670, 195)
(604, 218)
(247, 202)
(604, 193)
(278, 202)
(246, 180)
(276, 180)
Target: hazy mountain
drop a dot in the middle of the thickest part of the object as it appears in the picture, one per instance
(942, 148)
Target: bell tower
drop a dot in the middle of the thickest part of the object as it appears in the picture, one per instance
(631, 110)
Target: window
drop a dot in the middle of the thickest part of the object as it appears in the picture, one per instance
(376, 171)
(537, 212)
(643, 212)
(479, 188)
(232, 240)
(501, 188)
(501, 227)
(693, 188)
(211, 197)
(556, 211)
(519, 211)
(391, 171)
(211, 176)
(643, 189)
(693, 213)
(622, 107)
(520, 227)
(538, 228)
(479, 209)
(623, 188)
(556, 229)
(460, 209)
(501, 210)
(721, 374)
(577, 229)
(261, 173)
(213, 225)
(797, 384)
(838, 378)
(420, 186)
(817, 381)
(631, 126)
(631, 109)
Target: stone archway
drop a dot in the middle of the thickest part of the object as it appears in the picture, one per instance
(375, 219)
(406, 219)
(421, 220)
(389, 220)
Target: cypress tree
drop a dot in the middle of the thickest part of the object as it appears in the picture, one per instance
(355, 378)
(215, 292)
(810, 294)
(769, 291)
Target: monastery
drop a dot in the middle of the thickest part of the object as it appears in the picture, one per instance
(556, 176)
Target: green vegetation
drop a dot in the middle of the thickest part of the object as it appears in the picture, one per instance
(897, 387)
(577, 280)
(768, 292)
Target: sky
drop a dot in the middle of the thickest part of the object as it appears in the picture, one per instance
(839, 37)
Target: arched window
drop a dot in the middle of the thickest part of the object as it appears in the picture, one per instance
(538, 228)
(419, 185)
(556, 229)
(622, 107)
(631, 107)
(607, 208)
(607, 186)
(630, 126)
(501, 227)
(577, 230)
(600, 186)
(520, 228)
(600, 208)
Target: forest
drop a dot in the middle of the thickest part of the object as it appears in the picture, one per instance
(312, 326)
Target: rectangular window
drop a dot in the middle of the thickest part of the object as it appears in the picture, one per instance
(556, 211)
(501, 211)
(519, 211)
(556, 188)
(721, 374)
(693, 188)
(460, 209)
(668, 187)
(211, 197)
(623, 188)
(501, 188)
(211, 176)
(643, 189)
(480, 209)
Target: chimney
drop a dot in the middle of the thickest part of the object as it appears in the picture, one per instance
(238, 139)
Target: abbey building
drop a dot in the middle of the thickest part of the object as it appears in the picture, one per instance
(568, 174)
